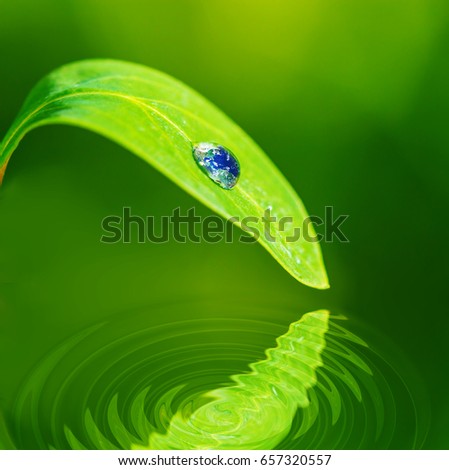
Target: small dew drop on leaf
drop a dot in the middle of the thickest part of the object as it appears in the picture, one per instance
(218, 162)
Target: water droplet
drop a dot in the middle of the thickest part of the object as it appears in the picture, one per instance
(218, 162)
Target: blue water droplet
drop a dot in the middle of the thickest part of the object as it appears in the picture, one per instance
(218, 162)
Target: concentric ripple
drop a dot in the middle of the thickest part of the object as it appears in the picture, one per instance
(256, 412)
(150, 381)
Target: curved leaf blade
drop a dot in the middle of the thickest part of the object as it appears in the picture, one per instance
(158, 118)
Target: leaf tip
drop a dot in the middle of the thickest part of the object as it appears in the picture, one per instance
(321, 285)
(318, 281)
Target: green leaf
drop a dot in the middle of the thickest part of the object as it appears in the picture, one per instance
(158, 118)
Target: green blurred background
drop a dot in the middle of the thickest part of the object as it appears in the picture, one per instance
(350, 100)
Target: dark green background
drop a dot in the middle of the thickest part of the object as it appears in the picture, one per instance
(349, 98)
